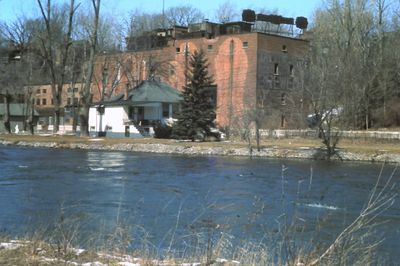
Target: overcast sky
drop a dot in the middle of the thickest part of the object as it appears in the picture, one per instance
(10, 9)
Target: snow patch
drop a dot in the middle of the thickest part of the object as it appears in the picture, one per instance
(321, 206)
(97, 168)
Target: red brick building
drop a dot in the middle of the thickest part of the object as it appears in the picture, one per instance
(251, 68)
(254, 65)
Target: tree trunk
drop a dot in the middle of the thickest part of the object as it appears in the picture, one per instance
(258, 135)
(75, 111)
(30, 116)
(56, 120)
(86, 95)
(84, 118)
(6, 116)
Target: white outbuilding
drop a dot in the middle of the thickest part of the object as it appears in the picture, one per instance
(134, 113)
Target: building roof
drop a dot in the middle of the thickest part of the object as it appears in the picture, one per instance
(149, 91)
(16, 109)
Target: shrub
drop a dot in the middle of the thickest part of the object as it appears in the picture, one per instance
(162, 131)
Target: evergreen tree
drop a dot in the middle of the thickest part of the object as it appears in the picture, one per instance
(197, 113)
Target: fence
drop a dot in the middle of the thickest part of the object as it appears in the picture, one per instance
(310, 133)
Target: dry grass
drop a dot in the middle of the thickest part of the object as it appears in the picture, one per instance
(351, 145)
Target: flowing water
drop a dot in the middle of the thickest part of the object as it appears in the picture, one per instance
(169, 198)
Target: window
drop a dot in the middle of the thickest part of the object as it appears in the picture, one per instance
(69, 101)
(76, 100)
(210, 47)
(37, 101)
(178, 49)
(284, 48)
(245, 44)
(69, 90)
(38, 91)
(171, 70)
(75, 89)
(44, 102)
(165, 109)
(175, 109)
(52, 101)
(276, 69)
(291, 70)
(44, 91)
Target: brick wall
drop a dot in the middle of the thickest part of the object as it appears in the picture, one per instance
(242, 66)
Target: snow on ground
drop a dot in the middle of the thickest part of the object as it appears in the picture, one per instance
(124, 260)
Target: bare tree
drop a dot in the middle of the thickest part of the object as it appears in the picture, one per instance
(49, 44)
(350, 73)
(183, 15)
(86, 98)
(226, 12)
(141, 23)
(20, 69)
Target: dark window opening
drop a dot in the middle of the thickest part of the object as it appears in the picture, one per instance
(44, 102)
(291, 70)
(178, 50)
(284, 48)
(37, 101)
(210, 47)
(245, 44)
(165, 110)
(44, 91)
(175, 109)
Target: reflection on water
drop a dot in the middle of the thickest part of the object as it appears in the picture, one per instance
(247, 198)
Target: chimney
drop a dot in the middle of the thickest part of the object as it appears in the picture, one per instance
(126, 93)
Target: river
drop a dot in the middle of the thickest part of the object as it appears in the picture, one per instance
(169, 199)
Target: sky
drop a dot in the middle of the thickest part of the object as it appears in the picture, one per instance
(11, 9)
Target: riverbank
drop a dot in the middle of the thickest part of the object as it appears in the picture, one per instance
(296, 148)
(27, 252)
